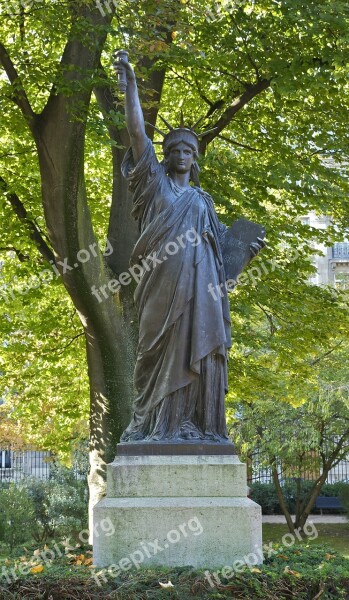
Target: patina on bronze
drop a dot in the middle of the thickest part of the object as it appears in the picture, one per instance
(184, 333)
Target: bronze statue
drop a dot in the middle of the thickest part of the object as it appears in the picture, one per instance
(184, 330)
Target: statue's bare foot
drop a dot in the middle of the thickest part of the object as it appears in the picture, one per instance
(188, 431)
(130, 435)
(215, 437)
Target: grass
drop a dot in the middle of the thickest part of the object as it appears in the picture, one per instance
(303, 572)
(314, 568)
(334, 535)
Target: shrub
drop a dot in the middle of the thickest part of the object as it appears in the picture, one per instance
(16, 515)
(344, 496)
(68, 502)
(60, 504)
(43, 509)
(265, 494)
(291, 492)
(334, 489)
(40, 491)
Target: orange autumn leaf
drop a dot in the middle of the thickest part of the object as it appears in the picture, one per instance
(37, 569)
(282, 556)
(81, 559)
(76, 559)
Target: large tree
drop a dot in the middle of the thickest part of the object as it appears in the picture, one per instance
(269, 79)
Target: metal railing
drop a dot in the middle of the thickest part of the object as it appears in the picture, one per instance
(261, 474)
(16, 465)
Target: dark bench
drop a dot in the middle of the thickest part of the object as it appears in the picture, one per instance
(328, 502)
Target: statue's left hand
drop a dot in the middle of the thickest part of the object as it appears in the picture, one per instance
(256, 247)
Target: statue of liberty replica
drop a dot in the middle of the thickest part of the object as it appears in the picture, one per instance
(184, 330)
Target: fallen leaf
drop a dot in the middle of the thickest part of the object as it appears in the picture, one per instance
(329, 556)
(255, 570)
(283, 556)
(294, 573)
(37, 552)
(166, 585)
(37, 569)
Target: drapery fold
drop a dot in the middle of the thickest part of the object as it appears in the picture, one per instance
(182, 328)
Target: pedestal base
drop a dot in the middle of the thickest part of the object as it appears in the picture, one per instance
(176, 511)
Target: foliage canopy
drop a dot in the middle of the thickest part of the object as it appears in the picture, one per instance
(272, 78)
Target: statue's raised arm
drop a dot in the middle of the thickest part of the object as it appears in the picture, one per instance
(133, 110)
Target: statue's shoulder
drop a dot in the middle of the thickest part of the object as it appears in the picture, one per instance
(203, 193)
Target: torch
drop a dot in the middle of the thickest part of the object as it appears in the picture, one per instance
(119, 55)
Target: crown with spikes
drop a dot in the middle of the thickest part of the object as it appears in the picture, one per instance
(175, 135)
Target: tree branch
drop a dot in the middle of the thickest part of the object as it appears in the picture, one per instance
(19, 95)
(270, 319)
(60, 350)
(21, 257)
(227, 139)
(317, 360)
(251, 91)
(221, 71)
(107, 100)
(280, 496)
(22, 214)
(17, 153)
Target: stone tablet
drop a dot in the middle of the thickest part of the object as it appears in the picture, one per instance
(236, 246)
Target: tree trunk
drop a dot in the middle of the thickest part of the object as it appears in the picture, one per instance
(59, 136)
(301, 519)
(282, 501)
(304, 513)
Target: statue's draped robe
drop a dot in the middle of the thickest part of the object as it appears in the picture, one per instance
(184, 330)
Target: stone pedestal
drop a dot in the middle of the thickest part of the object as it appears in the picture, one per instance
(176, 511)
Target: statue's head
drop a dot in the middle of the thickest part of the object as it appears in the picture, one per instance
(178, 135)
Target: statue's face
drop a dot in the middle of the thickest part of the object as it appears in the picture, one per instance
(180, 158)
